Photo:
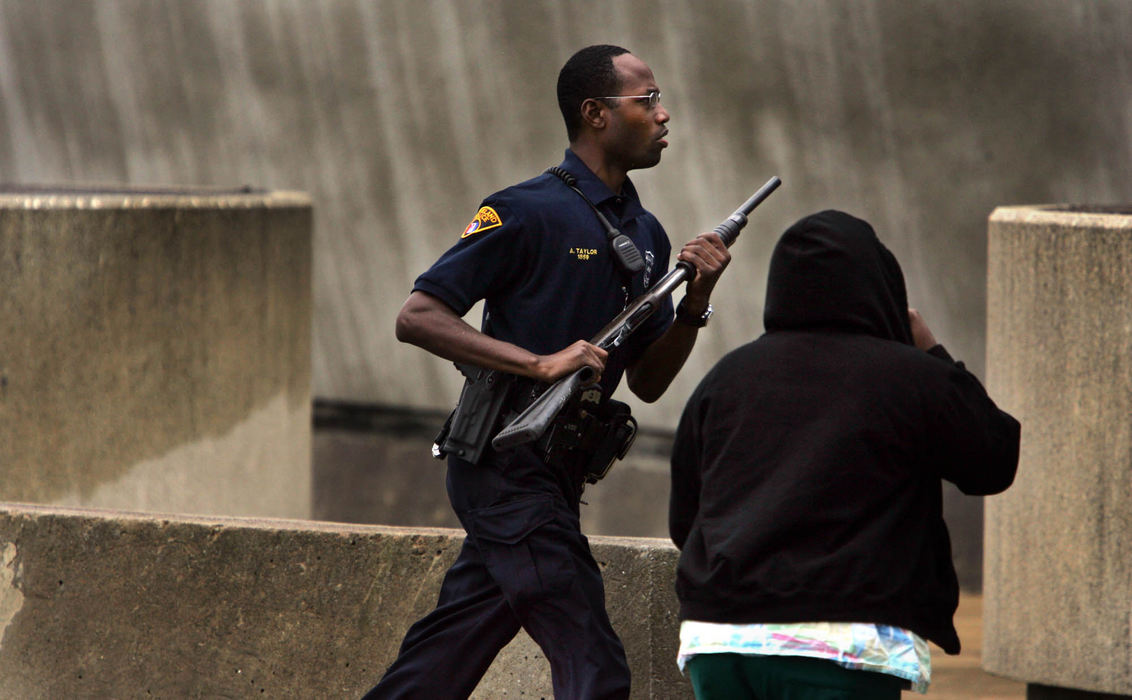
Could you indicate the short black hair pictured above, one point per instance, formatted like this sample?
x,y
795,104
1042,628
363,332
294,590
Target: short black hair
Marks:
x,y
588,73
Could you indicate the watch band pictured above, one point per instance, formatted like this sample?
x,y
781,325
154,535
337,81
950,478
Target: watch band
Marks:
x,y
691,319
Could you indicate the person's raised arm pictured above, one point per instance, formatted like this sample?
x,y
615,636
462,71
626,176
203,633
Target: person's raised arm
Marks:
x,y
429,323
978,443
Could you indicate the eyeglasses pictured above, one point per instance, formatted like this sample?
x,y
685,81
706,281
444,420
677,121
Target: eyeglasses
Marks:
x,y
653,98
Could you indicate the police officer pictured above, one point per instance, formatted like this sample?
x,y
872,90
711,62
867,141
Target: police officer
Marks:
x,y
539,257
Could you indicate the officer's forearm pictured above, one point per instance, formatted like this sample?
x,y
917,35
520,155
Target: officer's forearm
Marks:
x,y
650,376
429,323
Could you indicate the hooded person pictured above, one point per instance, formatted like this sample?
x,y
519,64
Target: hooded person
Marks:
x,y
807,478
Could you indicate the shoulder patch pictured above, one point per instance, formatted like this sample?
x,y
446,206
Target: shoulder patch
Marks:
x,y
486,218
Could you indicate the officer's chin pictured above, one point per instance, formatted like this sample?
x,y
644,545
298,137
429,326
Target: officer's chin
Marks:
x,y
649,161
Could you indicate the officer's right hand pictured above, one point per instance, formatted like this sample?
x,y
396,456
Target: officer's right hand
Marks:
x,y
551,368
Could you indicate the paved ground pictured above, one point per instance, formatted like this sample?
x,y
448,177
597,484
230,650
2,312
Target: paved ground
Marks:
x,y
961,677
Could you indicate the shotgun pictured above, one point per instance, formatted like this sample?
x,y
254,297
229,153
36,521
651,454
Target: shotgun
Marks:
x,y
533,422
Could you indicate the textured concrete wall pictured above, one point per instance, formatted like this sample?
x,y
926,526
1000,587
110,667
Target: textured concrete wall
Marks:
x,y
375,467
1058,569
96,605
399,116
155,350
378,476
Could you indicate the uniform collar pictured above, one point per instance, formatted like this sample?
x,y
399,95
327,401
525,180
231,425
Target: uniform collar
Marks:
x,y
597,191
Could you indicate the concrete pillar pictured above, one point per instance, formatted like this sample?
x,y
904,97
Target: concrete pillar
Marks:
x,y
1058,565
155,350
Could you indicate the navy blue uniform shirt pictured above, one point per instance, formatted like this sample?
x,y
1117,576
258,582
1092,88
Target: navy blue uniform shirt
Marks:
x,y
539,257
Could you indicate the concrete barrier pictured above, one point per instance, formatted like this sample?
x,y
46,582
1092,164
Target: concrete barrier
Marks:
x,y
97,604
1058,568
155,349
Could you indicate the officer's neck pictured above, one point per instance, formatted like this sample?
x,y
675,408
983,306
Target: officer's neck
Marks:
x,y
599,162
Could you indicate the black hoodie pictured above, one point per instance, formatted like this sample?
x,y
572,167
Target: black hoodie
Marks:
x,y
807,466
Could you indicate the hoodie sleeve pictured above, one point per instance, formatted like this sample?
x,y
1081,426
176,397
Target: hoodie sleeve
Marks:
x,y
684,498
976,444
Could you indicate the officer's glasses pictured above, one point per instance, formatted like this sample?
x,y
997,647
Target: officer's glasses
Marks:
x,y
651,100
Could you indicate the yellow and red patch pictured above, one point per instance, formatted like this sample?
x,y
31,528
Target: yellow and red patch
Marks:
x,y
486,218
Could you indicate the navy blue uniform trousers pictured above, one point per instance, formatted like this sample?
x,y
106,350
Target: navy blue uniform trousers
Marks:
x,y
524,563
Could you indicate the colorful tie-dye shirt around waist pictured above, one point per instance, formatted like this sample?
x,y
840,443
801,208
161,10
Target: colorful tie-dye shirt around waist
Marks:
x,y
854,645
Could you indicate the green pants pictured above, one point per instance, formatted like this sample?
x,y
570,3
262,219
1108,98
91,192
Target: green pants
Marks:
x,y
755,677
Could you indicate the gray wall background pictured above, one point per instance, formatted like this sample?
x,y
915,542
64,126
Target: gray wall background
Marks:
x,y
399,116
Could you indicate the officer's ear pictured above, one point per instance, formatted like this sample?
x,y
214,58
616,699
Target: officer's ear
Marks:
x,y
594,113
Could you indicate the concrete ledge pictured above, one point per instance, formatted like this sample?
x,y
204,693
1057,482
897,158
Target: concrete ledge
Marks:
x,y
114,604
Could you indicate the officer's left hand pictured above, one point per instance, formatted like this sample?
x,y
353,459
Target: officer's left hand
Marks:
x,y
707,253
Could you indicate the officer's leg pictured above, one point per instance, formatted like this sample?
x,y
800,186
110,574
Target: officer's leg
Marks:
x,y
588,659
446,653
534,549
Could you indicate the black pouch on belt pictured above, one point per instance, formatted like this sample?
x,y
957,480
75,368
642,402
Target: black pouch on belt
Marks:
x,y
589,435
619,431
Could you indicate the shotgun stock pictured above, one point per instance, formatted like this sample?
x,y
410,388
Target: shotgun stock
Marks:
x,y
533,422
